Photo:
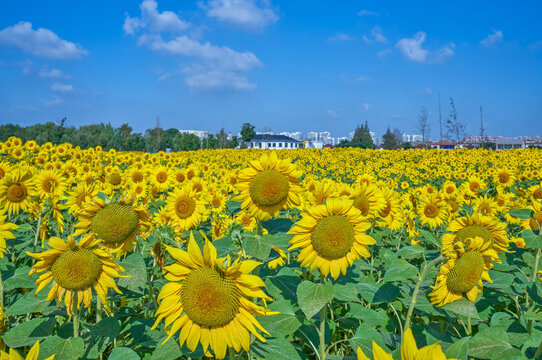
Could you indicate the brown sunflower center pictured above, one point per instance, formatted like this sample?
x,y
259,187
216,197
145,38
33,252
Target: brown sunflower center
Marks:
x,y
184,207
450,189
179,177
216,201
332,237
16,193
2,173
363,204
466,273
137,176
269,188
115,179
504,177
76,269
114,223
536,221
431,210
386,211
472,231
537,194
161,177
209,297
48,184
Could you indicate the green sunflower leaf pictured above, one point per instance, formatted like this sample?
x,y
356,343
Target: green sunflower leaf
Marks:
x,y
312,297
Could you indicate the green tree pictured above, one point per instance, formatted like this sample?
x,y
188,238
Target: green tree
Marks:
x,y
362,137
247,133
390,141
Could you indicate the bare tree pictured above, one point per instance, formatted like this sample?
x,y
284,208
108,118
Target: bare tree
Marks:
x,y
455,128
440,119
424,127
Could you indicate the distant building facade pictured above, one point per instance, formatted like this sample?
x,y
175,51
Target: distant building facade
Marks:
x,y
273,141
199,133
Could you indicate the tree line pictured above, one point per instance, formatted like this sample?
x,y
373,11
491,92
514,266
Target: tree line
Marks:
x,y
124,138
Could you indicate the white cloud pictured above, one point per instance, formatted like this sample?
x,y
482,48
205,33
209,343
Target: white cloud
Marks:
x,y
367,13
363,78
376,32
45,72
365,107
56,100
154,21
492,38
332,114
64,88
383,53
412,49
244,13
340,37
427,91
214,66
41,42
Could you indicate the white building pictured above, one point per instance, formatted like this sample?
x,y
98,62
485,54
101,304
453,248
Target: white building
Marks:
x,y
412,138
199,133
298,135
272,141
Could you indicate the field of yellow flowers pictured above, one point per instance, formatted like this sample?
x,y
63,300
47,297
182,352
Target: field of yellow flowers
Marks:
x,y
249,254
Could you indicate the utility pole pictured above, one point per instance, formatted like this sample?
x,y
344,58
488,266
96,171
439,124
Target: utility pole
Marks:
x,y
158,134
481,127
440,120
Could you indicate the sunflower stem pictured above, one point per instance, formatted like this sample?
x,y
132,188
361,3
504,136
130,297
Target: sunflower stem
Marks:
x,y
99,310
232,353
76,315
322,332
1,292
538,351
36,237
260,228
469,326
416,291
533,279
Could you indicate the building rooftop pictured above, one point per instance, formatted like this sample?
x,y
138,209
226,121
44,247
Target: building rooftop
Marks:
x,y
272,137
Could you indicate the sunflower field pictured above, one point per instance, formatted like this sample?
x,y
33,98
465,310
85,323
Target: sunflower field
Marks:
x,y
251,254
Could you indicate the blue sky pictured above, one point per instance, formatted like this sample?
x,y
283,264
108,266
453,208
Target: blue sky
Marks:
x,y
285,65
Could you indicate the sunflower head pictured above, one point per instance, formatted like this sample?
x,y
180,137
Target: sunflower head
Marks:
x,y
75,268
267,186
208,297
331,236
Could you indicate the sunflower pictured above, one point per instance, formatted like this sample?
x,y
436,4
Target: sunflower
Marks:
x,y
73,268
217,203
474,186
392,214
331,236
49,183
79,197
5,232
368,199
486,205
16,190
319,191
409,351
186,209
489,229
245,220
161,178
268,185
469,262
432,211
33,354
210,299
504,178
533,223
5,168
116,223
